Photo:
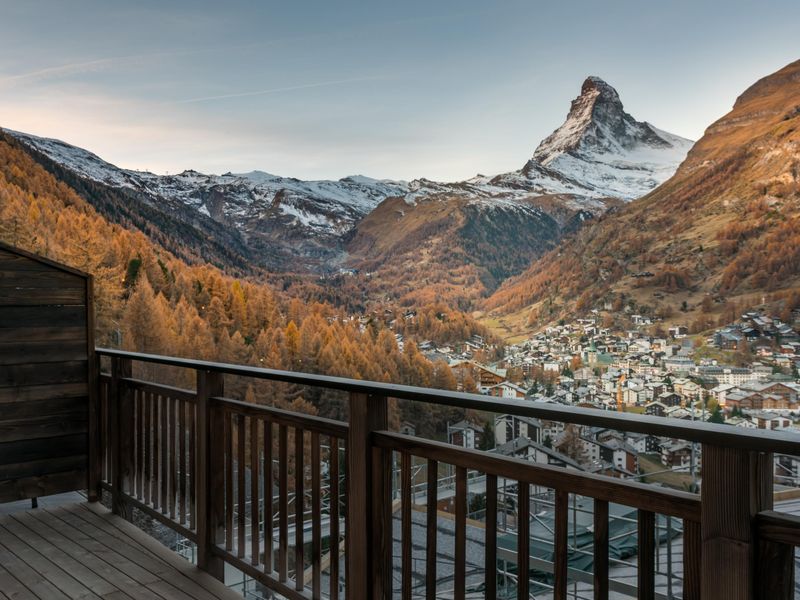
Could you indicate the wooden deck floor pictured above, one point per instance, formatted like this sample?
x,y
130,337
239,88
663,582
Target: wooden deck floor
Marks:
x,y
82,551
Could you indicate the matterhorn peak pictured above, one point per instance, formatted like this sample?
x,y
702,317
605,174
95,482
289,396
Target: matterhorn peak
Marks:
x,y
595,120
604,149
597,88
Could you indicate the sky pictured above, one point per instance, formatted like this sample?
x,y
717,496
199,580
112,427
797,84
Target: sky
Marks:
x,y
437,89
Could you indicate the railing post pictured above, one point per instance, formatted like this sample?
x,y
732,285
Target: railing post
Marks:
x,y
737,485
121,410
95,449
209,474
369,531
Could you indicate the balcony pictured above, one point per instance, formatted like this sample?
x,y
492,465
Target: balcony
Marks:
x,y
196,462
297,506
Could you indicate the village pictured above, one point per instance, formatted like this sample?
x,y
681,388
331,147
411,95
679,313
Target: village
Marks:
x,y
742,375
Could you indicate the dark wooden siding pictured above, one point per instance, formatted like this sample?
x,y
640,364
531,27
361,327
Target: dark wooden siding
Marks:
x,y
45,349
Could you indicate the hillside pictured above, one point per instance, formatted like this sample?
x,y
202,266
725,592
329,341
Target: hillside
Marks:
x,y
725,226
458,242
257,223
149,300
451,249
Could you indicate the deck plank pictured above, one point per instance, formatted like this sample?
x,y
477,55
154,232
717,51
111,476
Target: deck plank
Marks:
x,y
100,562
132,571
48,570
40,588
83,552
58,556
133,550
12,588
194,581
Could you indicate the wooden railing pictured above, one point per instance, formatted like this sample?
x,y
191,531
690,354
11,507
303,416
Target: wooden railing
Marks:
x,y
243,482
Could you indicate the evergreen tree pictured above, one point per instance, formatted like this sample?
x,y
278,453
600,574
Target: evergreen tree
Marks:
x,y
487,439
716,415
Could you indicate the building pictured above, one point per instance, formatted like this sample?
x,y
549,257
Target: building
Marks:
x,y
465,434
727,375
484,376
507,389
676,453
511,427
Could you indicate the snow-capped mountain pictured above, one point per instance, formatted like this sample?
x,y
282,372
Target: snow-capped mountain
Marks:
x,y
605,150
600,152
323,206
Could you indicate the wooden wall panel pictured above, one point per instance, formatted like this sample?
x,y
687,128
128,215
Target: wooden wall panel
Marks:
x,y
46,345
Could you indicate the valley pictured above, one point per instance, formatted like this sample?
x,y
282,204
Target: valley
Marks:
x,y
406,242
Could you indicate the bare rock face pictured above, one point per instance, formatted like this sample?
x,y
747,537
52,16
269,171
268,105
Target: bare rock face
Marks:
x,y
604,151
287,224
597,123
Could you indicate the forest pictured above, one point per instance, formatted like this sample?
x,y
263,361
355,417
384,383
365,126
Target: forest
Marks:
x,y
149,300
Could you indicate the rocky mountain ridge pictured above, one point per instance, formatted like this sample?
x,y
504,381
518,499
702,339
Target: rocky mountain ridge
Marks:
x,y
723,230
286,224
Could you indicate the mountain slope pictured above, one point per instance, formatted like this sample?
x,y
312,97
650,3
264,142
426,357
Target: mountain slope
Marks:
x,y
150,301
605,149
459,241
725,225
188,235
599,151
446,248
255,220
277,223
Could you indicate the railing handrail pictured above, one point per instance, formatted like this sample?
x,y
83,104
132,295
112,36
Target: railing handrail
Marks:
x,y
758,440
665,501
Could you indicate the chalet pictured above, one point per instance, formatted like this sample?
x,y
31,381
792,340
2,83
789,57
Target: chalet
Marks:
x,y
678,331
678,412
537,453
677,454
522,447
669,399
637,441
688,389
484,376
741,422
728,339
465,434
510,427
656,409
623,456
654,389
771,421
747,399
720,392
507,389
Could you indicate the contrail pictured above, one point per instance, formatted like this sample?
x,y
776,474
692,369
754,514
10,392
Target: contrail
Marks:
x,y
108,62
276,90
60,70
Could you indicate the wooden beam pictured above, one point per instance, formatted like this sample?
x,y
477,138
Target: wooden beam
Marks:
x,y
121,436
737,485
209,475
368,502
